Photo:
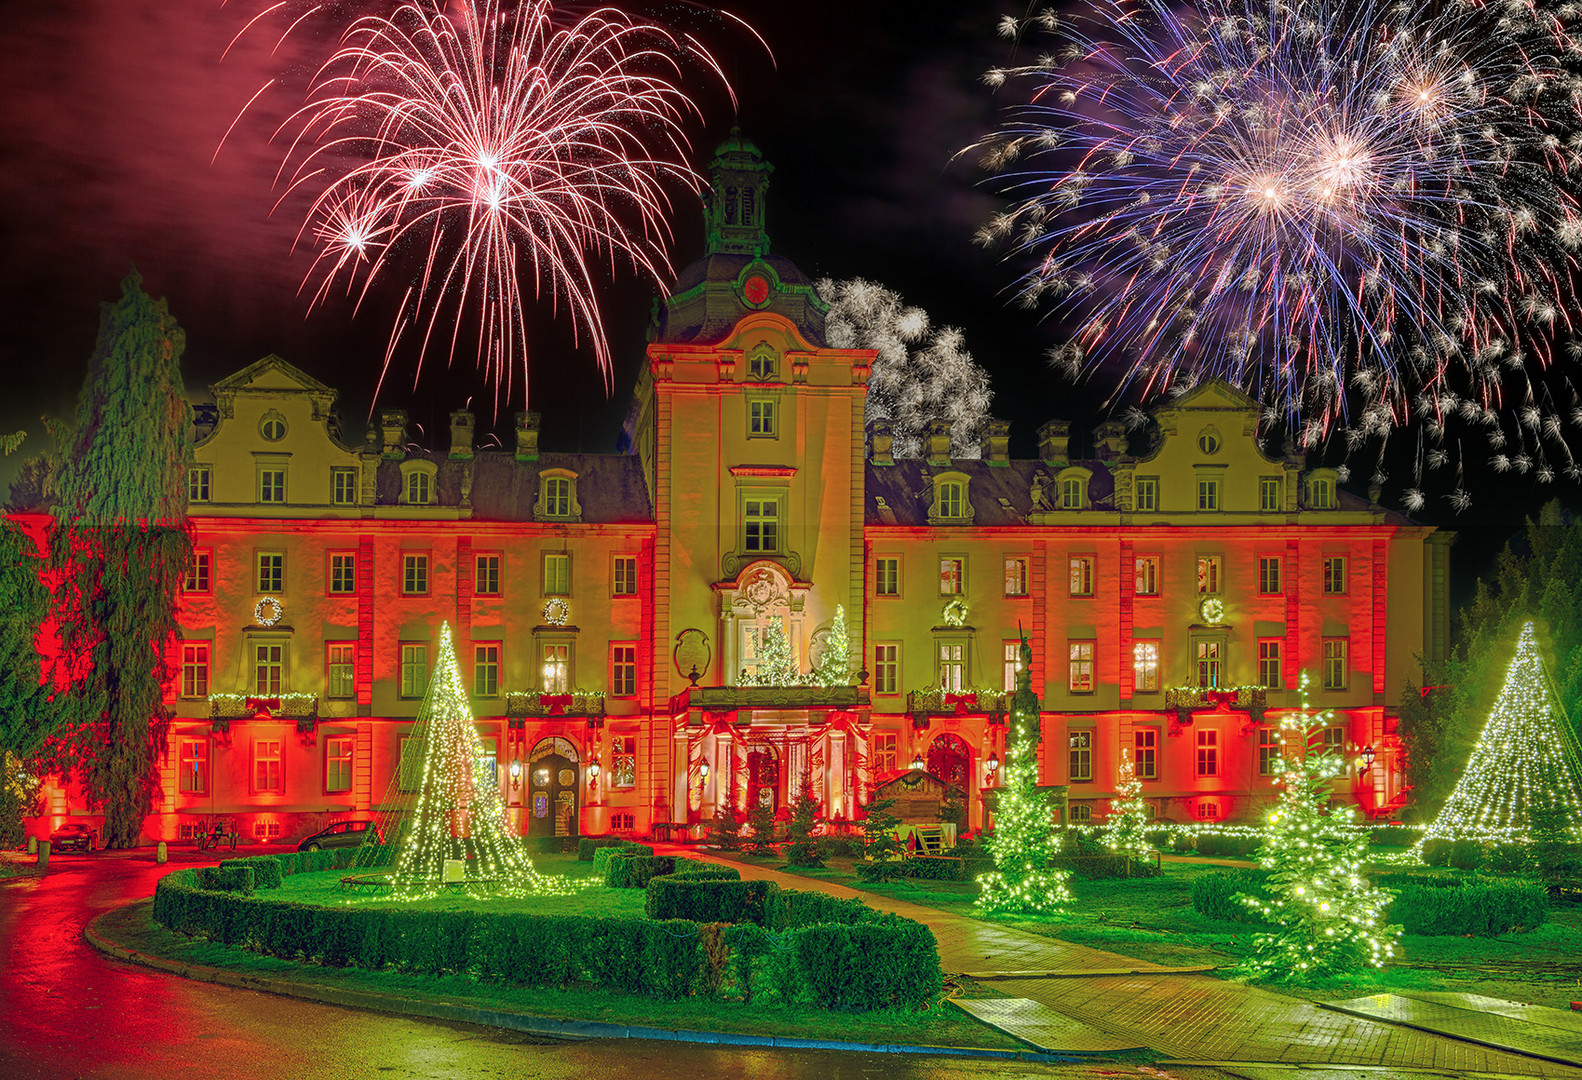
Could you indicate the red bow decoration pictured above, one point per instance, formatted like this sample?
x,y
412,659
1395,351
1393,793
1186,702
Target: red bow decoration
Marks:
x,y
256,704
554,704
961,702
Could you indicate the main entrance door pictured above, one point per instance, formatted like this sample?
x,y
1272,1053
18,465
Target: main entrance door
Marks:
x,y
553,788
950,760
763,777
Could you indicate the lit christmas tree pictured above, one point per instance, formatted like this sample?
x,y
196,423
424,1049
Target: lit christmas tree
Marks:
x,y
834,663
775,664
1525,763
1126,832
447,805
1329,919
1023,840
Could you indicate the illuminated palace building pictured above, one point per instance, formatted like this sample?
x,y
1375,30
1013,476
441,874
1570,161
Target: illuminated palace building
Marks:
x,y
611,611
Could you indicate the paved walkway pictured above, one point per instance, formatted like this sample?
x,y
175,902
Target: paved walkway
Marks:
x,y
1187,1016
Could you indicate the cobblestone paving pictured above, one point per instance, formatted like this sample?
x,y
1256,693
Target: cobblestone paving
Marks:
x,y
1510,1025
1188,1016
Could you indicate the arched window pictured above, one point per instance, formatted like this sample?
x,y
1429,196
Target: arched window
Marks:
x,y
557,496
950,760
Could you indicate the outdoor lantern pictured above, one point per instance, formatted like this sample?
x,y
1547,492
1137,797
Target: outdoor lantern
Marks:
x,y
917,760
1368,755
703,770
994,764
516,775
593,768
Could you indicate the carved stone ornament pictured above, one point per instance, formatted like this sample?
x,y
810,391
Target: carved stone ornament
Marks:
x,y
692,652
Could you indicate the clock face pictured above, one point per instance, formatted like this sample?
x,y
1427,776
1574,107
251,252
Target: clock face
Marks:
x,y
1212,610
756,290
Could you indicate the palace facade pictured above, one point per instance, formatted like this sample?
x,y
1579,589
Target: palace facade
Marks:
x,y
609,611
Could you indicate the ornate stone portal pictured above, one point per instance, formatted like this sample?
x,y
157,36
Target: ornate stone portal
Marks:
x,y
763,591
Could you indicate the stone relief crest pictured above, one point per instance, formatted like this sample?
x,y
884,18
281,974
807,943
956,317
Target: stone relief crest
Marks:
x,y
692,652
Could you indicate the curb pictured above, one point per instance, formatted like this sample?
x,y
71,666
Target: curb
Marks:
x,y
436,1009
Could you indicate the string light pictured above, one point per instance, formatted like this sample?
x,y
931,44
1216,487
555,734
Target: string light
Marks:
x,y
1126,832
1525,760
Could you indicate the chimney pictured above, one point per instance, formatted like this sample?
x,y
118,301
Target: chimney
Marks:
x,y
527,436
881,443
1054,440
997,442
936,442
1111,439
461,435
393,423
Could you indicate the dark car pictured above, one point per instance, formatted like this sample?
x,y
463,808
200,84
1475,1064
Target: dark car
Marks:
x,y
74,836
343,834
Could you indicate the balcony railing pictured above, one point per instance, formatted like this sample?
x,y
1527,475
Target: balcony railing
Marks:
x,y
1240,698
531,704
936,701
736,698
224,708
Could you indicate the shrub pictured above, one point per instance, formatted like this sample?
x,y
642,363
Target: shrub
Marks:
x,y
1214,895
1467,854
881,869
267,871
934,867
789,909
890,964
1220,846
587,845
634,871
833,846
1181,843
1436,852
702,900
725,830
1103,865
1447,906
1509,858
696,870
1393,836
237,876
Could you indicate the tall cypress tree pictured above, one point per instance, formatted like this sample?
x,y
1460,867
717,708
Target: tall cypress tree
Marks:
x,y
121,544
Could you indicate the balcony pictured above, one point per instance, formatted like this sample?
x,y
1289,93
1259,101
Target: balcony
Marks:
x,y
532,705
936,701
1185,700
224,708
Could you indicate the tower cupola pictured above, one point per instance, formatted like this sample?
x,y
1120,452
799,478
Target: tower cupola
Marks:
x,y
735,208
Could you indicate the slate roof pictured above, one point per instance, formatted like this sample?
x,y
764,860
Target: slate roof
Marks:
x,y
610,487
907,490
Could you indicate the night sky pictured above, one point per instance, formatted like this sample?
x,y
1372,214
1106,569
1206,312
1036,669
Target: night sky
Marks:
x,y
111,111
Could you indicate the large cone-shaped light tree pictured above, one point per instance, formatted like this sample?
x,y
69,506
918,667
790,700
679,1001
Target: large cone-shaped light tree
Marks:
x,y
1525,762
120,543
444,803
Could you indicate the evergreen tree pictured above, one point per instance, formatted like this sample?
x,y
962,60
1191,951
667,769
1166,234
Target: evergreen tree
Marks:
x,y
725,830
803,849
775,664
880,847
1023,840
27,711
761,820
834,663
1126,831
120,542
1329,919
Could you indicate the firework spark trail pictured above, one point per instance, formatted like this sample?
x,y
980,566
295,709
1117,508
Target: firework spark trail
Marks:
x,y
491,152
1360,213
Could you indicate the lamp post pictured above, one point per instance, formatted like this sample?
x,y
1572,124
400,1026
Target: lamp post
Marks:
x,y
593,774
516,774
993,766
917,760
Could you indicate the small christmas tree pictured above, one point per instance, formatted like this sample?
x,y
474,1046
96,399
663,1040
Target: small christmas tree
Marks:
x,y
1524,766
1126,832
834,663
1329,919
775,664
725,830
1023,840
803,850
879,844
761,819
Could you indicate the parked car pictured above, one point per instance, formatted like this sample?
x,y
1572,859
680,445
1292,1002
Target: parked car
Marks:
x,y
342,834
74,836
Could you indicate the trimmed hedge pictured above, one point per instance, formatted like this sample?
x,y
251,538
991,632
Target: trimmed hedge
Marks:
x,y
625,871
697,870
790,909
603,855
708,901
934,868
1102,866
227,878
587,845
1214,895
267,871
1451,906
875,965
1217,846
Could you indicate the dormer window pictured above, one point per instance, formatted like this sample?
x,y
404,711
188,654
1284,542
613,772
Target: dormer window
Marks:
x,y
951,505
418,482
1208,441
1321,491
762,364
950,500
1072,485
272,427
557,496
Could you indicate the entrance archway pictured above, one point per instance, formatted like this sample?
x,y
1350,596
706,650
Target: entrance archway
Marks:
x,y
950,759
763,777
553,789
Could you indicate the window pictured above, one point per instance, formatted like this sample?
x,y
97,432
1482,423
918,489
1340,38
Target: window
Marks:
x,y
271,572
761,419
1081,746
1208,664
266,766
271,484
557,574
1208,574
198,484
414,670
1016,577
341,664
1073,492
1208,441
1271,493
194,767
951,573
1145,667
623,578
761,364
195,669
419,488
952,666
623,761
760,524
486,575
486,669
269,669
557,669
883,753
1207,752
886,669
1147,575
623,670
343,487
1207,810
887,576
950,500
1080,654
1081,813
1270,674
1268,574
1323,494
197,580
1268,751
1146,762
1335,575
1208,493
338,764
1079,576
1335,740
557,497
1335,663
1013,665
343,573
414,575
273,426
1147,500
